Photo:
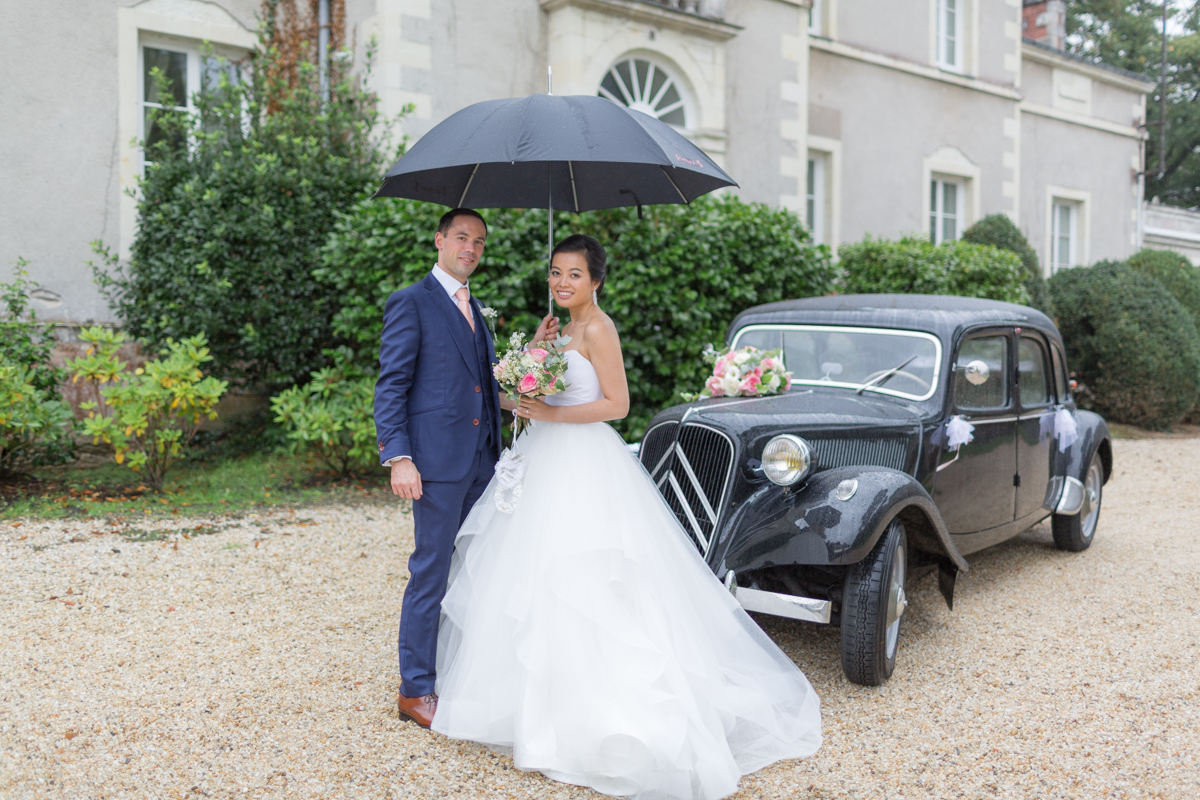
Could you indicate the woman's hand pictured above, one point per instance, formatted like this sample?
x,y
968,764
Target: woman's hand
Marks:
x,y
535,408
548,330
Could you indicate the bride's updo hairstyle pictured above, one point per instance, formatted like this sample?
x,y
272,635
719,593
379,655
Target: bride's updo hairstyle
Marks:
x,y
593,253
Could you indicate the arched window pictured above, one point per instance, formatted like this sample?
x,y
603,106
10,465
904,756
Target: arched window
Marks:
x,y
643,86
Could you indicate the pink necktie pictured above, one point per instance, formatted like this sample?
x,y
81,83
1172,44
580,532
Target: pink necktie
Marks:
x,y
464,305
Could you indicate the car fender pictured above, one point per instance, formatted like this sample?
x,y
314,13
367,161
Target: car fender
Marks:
x,y
809,525
1093,437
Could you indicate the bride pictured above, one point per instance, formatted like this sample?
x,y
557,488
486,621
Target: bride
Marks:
x,y
583,632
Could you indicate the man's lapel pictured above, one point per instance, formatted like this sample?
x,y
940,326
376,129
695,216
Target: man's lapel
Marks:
x,y
460,331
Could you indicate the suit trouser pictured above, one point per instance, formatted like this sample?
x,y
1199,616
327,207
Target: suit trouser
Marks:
x,y
437,516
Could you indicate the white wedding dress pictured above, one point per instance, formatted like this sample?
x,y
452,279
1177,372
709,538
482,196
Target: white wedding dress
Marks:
x,y
584,633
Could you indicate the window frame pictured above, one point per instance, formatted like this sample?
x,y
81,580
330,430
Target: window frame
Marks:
x,y
816,195
937,212
674,78
1072,207
1005,334
1047,372
941,10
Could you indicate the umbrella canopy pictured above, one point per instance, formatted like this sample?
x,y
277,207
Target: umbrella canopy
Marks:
x,y
570,153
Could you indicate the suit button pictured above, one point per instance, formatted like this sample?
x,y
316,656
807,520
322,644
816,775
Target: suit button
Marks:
x,y
474,422
478,389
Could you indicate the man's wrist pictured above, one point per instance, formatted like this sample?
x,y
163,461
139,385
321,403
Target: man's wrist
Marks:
x,y
396,460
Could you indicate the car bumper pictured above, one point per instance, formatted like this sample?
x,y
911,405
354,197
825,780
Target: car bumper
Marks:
x,y
806,609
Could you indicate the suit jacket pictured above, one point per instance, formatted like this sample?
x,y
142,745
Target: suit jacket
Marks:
x,y
433,383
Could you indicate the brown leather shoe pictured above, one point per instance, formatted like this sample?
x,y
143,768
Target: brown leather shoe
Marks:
x,y
419,709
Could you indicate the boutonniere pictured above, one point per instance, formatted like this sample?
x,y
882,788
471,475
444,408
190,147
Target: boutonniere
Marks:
x,y
490,315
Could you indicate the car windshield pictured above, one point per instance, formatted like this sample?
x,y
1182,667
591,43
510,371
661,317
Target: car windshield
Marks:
x,y
850,357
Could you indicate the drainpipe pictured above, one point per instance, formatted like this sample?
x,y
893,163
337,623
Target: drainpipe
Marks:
x,y
323,48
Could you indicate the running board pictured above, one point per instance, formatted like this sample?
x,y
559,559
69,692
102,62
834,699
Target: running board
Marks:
x,y
806,609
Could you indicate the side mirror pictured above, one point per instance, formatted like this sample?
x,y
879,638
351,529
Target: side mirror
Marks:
x,y
977,373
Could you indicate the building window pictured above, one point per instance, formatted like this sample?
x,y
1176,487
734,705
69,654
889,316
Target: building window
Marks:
x,y
189,72
814,198
946,203
814,18
646,87
1064,238
949,34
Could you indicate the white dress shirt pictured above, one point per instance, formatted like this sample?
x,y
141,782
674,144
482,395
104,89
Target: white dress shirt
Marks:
x,y
451,284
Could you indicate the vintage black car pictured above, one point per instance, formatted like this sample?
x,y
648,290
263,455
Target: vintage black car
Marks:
x,y
816,504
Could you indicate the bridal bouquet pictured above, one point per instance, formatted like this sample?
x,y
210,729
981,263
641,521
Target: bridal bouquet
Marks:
x,y
529,370
748,372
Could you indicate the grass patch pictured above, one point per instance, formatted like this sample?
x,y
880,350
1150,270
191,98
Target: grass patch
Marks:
x,y
197,487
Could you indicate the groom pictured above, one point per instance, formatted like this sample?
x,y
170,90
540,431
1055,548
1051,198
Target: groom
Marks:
x,y
437,412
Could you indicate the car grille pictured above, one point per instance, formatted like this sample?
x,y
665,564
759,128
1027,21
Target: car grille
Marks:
x,y
692,473
834,453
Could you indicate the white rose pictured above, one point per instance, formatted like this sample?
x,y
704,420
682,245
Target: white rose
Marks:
x,y
729,385
741,358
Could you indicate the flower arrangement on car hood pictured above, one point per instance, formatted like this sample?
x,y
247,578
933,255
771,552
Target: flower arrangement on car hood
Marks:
x,y
748,372
531,370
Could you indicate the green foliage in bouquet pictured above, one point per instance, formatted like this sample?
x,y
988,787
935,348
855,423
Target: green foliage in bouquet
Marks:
x,y
332,416
1130,342
150,414
237,200
676,278
1000,231
36,425
914,265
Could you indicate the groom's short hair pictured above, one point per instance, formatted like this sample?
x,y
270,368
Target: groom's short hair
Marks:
x,y
448,219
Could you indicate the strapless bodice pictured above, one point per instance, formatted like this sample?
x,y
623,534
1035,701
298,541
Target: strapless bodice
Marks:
x,y
583,385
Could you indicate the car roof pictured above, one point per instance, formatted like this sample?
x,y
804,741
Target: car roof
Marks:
x,y
944,316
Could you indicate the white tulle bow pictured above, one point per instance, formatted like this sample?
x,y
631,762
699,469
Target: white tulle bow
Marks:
x,y
510,472
1065,428
958,432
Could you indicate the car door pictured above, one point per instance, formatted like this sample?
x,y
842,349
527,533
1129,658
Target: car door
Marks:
x,y
974,488
1035,441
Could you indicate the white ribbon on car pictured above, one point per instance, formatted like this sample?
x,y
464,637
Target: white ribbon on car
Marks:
x,y
958,432
510,472
1065,428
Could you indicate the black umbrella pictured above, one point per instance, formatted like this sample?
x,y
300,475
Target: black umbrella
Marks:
x,y
571,153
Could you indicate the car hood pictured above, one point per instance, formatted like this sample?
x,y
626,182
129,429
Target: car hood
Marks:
x,y
808,409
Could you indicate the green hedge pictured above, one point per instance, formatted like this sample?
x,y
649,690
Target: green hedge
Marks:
x,y
1000,231
914,265
1135,348
1176,273
676,278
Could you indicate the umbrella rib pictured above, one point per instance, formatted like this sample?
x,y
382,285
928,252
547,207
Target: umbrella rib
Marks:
x,y
574,191
467,188
682,197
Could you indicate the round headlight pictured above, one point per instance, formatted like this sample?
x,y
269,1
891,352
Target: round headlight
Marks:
x,y
786,459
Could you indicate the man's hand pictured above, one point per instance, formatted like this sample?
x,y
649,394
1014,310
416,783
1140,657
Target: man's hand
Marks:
x,y
548,330
406,481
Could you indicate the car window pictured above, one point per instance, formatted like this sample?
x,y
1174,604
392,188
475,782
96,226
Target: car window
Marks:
x,y
828,355
1062,388
1033,381
981,373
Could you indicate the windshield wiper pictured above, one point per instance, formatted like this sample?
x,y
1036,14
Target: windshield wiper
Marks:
x,y
880,380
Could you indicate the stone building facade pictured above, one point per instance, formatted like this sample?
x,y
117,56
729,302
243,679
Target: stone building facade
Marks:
x,y
878,117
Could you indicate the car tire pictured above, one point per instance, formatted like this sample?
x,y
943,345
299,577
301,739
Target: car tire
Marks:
x,y
1076,531
873,603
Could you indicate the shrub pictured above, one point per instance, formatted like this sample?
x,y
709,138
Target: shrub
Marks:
x,y
333,417
677,278
149,416
1134,346
36,425
1000,231
230,225
1176,273
914,265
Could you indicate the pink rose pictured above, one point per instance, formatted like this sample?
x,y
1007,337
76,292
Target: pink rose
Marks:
x,y
768,363
714,386
719,368
750,385
787,382
528,383
757,373
538,354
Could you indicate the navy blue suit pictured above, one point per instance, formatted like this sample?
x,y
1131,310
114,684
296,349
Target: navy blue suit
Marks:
x,y
436,402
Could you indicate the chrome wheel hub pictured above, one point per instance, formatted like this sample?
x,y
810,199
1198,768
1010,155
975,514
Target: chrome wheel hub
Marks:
x,y
897,600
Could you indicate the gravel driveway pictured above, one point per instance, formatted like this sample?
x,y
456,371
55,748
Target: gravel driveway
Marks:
x,y
257,659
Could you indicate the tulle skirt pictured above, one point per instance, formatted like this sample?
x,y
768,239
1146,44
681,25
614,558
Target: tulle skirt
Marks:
x,y
584,634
